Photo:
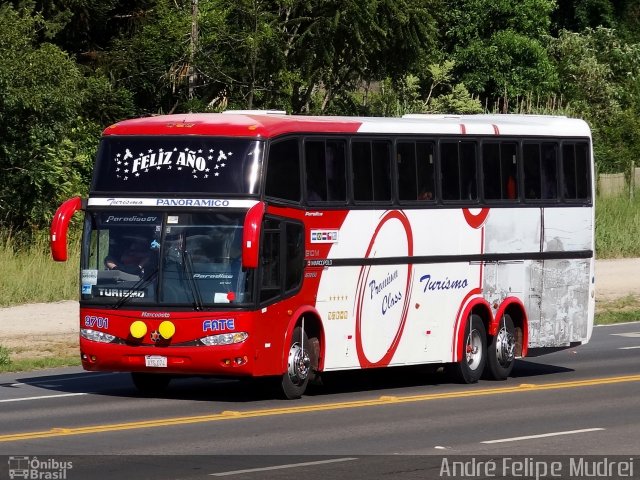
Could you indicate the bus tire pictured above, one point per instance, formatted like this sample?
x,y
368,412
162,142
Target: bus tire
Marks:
x,y
300,362
474,352
501,350
150,383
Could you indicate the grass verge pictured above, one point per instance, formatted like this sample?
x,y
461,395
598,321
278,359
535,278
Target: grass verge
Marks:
x,y
39,352
30,275
28,364
621,310
618,226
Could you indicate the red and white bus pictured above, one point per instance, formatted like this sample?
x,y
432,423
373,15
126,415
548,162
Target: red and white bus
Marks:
x,y
260,244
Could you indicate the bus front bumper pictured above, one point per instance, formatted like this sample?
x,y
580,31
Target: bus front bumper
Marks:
x,y
228,360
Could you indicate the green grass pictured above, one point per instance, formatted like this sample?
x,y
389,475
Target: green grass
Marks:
x,y
618,227
625,309
28,364
29,274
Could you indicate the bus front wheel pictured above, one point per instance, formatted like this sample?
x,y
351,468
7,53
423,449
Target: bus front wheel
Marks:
x,y
501,351
474,352
150,383
300,362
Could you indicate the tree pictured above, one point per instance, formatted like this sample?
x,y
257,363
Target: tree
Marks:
x,y
600,80
44,157
498,47
333,47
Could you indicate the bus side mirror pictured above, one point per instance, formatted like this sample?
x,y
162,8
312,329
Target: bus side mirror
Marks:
x,y
60,228
251,235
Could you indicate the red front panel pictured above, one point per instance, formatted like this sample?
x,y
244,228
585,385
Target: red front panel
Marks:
x,y
260,354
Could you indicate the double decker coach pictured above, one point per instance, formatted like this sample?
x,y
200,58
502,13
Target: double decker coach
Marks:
x,y
260,244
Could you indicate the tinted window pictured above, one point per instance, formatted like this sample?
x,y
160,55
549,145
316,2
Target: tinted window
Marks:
x,y
294,255
282,258
415,170
178,163
371,170
540,170
283,171
270,285
500,171
575,171
326,173
458,171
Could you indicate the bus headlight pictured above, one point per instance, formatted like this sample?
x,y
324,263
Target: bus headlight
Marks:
x,y
225,339
96,336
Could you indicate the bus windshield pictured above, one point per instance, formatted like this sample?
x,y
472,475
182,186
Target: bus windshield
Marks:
x,y
151,258
195,164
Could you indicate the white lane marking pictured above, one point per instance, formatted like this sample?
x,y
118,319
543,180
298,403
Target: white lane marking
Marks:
x,y
543,435
280,467
66,379
628,348
42,397
616,324
628,334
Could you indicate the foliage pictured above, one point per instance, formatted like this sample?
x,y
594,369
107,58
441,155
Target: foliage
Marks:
x,y
68,69
48,137
498,46
602,83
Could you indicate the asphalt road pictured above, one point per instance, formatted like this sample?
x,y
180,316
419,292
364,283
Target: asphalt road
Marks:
x,y
399,423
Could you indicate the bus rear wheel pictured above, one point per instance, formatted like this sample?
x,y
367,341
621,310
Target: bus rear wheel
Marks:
x,y
150,383
501,352
474,352
300,364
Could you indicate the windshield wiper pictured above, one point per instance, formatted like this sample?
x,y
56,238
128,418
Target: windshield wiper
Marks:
x,y
195,291
139,285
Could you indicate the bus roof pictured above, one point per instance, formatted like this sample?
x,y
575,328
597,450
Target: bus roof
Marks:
x,y
267,124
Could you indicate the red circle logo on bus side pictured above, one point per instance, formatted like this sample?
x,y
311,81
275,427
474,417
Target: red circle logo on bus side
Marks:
x,y
383,292
475,220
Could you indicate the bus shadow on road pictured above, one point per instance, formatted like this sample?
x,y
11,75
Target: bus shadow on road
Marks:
x,y
252,390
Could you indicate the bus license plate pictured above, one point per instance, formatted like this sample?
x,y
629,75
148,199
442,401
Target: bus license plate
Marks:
x,y
155,361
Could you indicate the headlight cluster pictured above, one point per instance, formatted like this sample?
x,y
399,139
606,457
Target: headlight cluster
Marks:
x,y
225,339
96,336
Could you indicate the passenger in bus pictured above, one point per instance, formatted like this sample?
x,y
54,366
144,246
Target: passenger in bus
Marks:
x,y
425,194
512,188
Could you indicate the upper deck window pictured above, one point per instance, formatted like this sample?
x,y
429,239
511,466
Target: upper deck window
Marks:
x,y
178,164
283,171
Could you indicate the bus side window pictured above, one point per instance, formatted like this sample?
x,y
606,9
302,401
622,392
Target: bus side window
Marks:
x,y
283,171
426,177
540,170
361,170
270,284
532,171
549,171
575,171
371,168
381,171
294,255
458,169
325,165
414,161
500,170
407,171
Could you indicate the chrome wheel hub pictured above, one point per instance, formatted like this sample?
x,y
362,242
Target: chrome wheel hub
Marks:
x,y
505,347
473,349
298,364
